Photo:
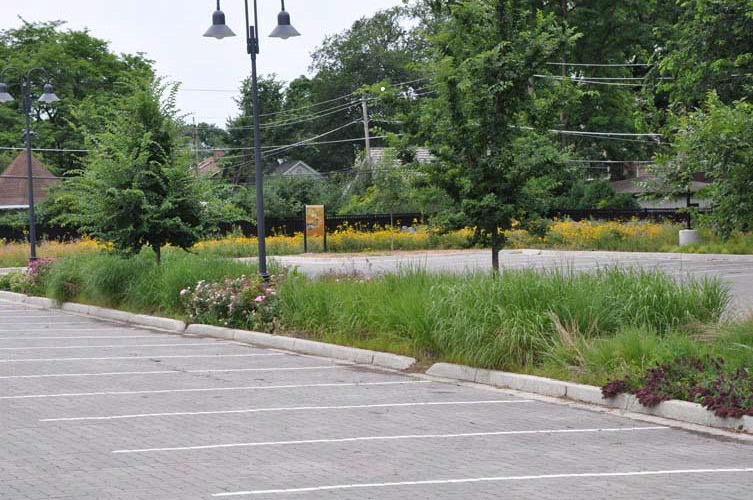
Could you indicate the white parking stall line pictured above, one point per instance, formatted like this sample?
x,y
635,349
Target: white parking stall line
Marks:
x,y
47,323
288,409
25,312
170,372
36,348
594,475
390,438
155,356
81,337
101,328
211,389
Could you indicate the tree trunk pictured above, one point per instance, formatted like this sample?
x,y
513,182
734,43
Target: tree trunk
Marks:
x,y
496,246
158,253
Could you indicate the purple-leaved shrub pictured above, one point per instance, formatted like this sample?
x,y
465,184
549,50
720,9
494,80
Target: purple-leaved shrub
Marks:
x,y
729,394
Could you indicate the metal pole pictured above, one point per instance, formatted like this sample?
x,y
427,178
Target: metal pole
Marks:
x,y
25,84
324,223
252,42
367,139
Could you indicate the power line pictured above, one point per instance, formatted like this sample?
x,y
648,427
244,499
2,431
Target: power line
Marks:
x,y
48,150
599,65
594,134
317,143
305,141
608,134
643,162
600,78
310,118
224,91
591,81
308,106
295,121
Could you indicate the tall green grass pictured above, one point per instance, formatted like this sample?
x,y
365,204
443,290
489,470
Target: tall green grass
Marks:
x,y
590,327
137,283
508,321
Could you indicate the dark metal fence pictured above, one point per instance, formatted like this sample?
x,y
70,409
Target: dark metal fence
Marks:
x,y
365,222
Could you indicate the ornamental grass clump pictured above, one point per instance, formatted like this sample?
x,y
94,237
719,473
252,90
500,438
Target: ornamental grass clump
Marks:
x,y
507,321
235,302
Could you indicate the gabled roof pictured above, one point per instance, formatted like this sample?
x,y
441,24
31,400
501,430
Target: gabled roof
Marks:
x,y
14,182
295,168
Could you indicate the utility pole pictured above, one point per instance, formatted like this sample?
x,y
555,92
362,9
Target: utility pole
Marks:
x,y
196,145
367,139
563,116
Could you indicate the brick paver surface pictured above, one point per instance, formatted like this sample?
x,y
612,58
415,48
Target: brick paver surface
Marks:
x,y
93,410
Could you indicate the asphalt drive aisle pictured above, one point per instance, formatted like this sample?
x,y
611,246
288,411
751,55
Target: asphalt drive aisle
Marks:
x,y
95,410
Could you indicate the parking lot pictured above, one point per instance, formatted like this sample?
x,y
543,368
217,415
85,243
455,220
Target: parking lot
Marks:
x,y
95,410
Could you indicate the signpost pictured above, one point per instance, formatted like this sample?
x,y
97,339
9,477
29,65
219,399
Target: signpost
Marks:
x,y
315,226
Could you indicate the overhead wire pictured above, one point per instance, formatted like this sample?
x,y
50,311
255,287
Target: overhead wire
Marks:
x,y
297,120
602,65
308,106
316,143
303,142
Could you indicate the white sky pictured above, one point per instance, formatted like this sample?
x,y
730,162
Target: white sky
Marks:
x,y
170,32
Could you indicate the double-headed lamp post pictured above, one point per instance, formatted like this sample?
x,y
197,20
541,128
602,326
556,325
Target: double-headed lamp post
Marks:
x,y
48,97
283,30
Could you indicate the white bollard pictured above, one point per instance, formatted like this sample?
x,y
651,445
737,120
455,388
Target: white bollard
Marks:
x,y
689,237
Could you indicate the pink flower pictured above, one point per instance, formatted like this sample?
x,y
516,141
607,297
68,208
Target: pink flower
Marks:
x,y
260,298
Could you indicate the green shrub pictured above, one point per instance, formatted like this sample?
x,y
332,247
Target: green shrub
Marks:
x,y
136,283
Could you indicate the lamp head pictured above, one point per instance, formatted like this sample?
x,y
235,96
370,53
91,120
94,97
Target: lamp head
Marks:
x,y
284,30
48,97
219,29
4,95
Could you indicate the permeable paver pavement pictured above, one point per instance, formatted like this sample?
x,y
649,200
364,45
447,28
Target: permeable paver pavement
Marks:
x,y
93,410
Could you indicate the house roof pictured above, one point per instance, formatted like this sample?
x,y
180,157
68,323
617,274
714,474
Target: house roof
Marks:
x,y
295,168
210,166
422,155
635,185
14,182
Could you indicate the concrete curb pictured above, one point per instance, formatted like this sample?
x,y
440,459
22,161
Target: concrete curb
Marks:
x,y
12,297
11,270
170,325
303,346
683,411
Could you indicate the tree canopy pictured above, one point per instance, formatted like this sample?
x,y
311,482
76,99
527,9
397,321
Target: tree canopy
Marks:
x,y
80,66
136,189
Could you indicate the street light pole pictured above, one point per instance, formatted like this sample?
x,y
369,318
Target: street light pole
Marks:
x,y
283,30
48,97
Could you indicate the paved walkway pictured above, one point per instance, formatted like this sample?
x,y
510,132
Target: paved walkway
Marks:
x,y
735,270
94,410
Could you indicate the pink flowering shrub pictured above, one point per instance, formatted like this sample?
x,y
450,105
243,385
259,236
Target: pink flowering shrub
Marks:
x,y
33,281
239,303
